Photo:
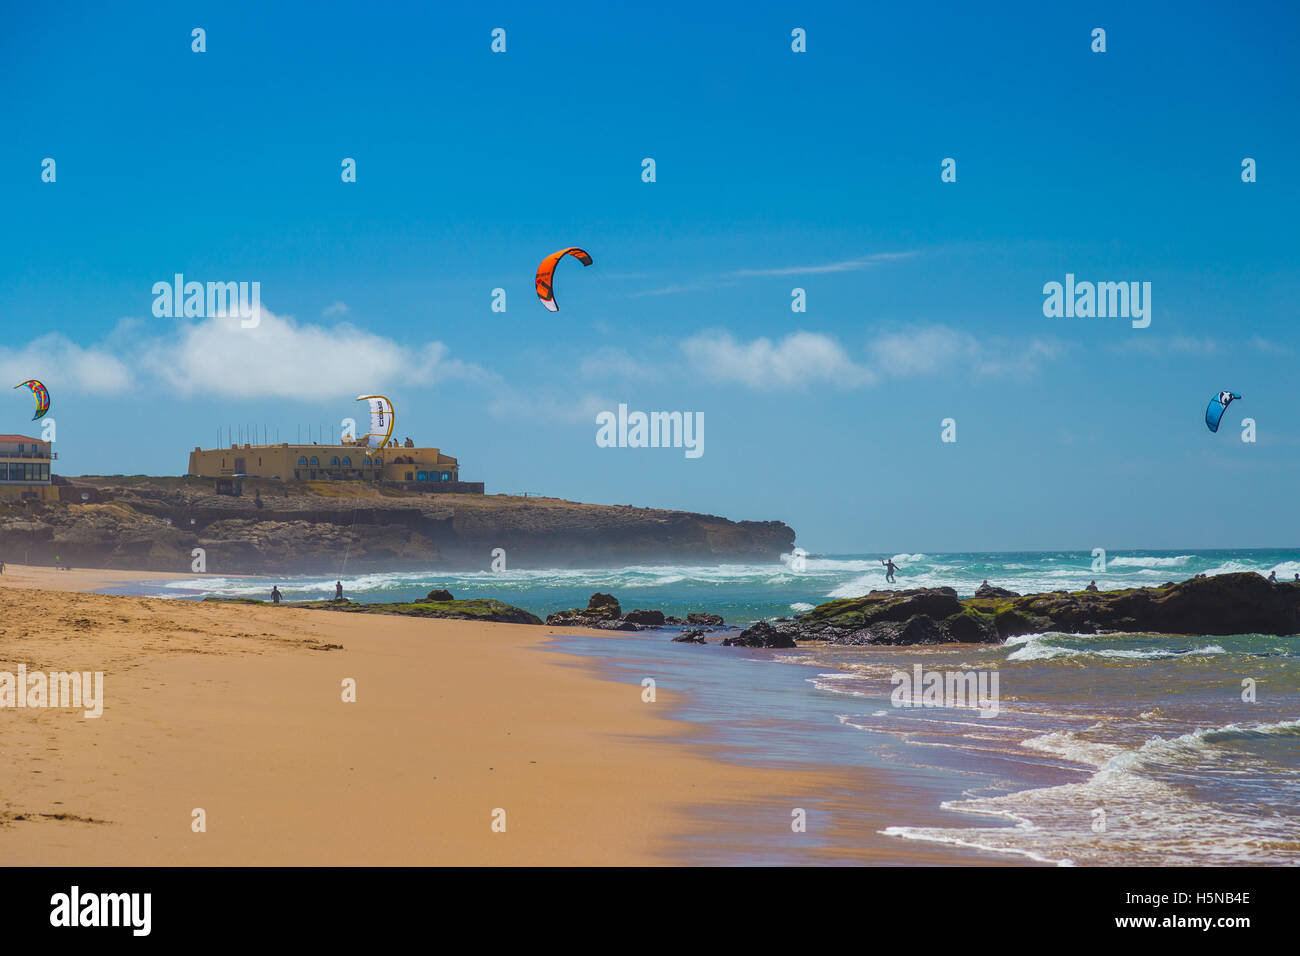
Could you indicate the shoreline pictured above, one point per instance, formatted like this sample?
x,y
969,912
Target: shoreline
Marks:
x,y
81,580
236,710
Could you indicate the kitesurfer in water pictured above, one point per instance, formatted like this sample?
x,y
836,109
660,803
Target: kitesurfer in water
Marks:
x,y
890,568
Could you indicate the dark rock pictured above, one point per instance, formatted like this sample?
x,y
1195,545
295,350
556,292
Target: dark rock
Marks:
x,y
439,594
702,617
918,629
694,636
971,627
599,601
650,618
673,620
992,591
600,607
1011,623
616,625
761,634
1242,603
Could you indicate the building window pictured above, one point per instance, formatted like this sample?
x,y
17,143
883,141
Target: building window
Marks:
x,y
410,476
347,462
302,462
315,462
446,476
421,476
334,462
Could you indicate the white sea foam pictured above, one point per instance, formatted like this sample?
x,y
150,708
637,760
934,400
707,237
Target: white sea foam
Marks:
x,y
1144,561
1146,820
1038,650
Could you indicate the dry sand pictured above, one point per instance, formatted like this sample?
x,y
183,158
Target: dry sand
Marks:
x,y
238,710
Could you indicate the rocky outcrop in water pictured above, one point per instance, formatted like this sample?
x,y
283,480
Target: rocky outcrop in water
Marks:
x,y
600,609
762,634
474,609
605,613
1242,603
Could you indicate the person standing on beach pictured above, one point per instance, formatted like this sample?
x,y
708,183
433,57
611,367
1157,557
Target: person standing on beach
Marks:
x,y
275,594
890,568
338,590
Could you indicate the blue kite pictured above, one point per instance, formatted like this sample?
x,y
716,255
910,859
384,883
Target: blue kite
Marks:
x,y
1218,405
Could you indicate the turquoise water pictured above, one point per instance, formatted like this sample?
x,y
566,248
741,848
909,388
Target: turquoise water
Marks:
x,y
1104,750
744,593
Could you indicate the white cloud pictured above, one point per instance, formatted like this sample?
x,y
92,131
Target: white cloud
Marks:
x,y
728,278
281,358
335,308
1012,360
609,362
62,364
843,265
805,358
1157,345
933,349
548,406
1261,344
277,358
798,360
923,351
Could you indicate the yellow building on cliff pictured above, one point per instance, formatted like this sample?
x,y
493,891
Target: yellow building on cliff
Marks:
x,y
25,468
426,468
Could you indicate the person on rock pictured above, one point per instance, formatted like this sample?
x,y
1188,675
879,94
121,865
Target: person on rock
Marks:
x,y
338,590
1272,577
890,568
1092,586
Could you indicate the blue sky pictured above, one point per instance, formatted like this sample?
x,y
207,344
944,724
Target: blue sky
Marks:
x,y
775,170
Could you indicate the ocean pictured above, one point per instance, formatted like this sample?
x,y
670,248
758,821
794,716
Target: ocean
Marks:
x,y
1105,749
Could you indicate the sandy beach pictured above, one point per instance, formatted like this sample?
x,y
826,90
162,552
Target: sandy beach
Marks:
x,y
238,711
79,579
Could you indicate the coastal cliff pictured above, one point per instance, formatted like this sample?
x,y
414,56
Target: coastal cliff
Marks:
x,y
1240,603
153,524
